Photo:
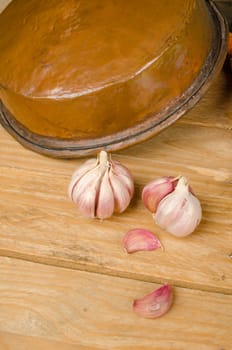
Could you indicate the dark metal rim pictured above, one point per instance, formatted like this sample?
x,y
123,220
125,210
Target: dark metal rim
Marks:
x,y
71,148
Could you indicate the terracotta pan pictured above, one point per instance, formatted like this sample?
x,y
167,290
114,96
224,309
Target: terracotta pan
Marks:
x,y
148,127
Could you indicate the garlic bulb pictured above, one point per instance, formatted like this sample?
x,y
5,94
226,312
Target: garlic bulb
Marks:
x,y
154,304
180,211
100,187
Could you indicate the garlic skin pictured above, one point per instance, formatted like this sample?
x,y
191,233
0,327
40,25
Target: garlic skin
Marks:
x,y
179,212
101,187
156,190
140,239
154,304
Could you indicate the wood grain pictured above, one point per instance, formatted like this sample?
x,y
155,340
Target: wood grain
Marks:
x,y
3,4
39,223
53,306
11,341
87,307
49,307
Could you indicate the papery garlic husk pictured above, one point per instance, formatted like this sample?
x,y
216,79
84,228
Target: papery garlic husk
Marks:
x,y
140,239
154,304
179,212
156,190
101,187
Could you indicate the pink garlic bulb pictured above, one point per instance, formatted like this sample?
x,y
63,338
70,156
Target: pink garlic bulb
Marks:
x,y
174,206
101,187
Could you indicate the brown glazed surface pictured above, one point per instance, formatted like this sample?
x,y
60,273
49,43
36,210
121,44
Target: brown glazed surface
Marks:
x,y
91,68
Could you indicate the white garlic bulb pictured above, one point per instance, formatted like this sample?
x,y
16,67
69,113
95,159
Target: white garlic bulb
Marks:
x,y
101,187
180,211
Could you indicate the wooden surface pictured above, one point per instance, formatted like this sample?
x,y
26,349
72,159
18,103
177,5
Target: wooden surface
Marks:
x,y
57,308
66,282
83,299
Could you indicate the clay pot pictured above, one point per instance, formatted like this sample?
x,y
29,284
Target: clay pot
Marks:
x,y
76,77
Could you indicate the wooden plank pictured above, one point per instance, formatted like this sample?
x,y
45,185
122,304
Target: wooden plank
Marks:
x,y
3,4
91,310
39,223
11,341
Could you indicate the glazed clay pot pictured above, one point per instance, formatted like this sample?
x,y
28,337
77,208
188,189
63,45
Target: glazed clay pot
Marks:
x,y
79,76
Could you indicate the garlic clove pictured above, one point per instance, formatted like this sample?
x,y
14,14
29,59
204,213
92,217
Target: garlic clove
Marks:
x,y
154,304
156,190
86,194
140,239
84,168
180,212
86,203
120,169
123,175
121,193
81,171
127,182
86,182
105,200
189,219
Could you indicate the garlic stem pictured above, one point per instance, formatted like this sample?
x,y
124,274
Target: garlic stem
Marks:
x,y
182,185
103,159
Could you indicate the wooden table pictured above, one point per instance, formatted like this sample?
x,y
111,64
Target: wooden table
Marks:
x,y
66,282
